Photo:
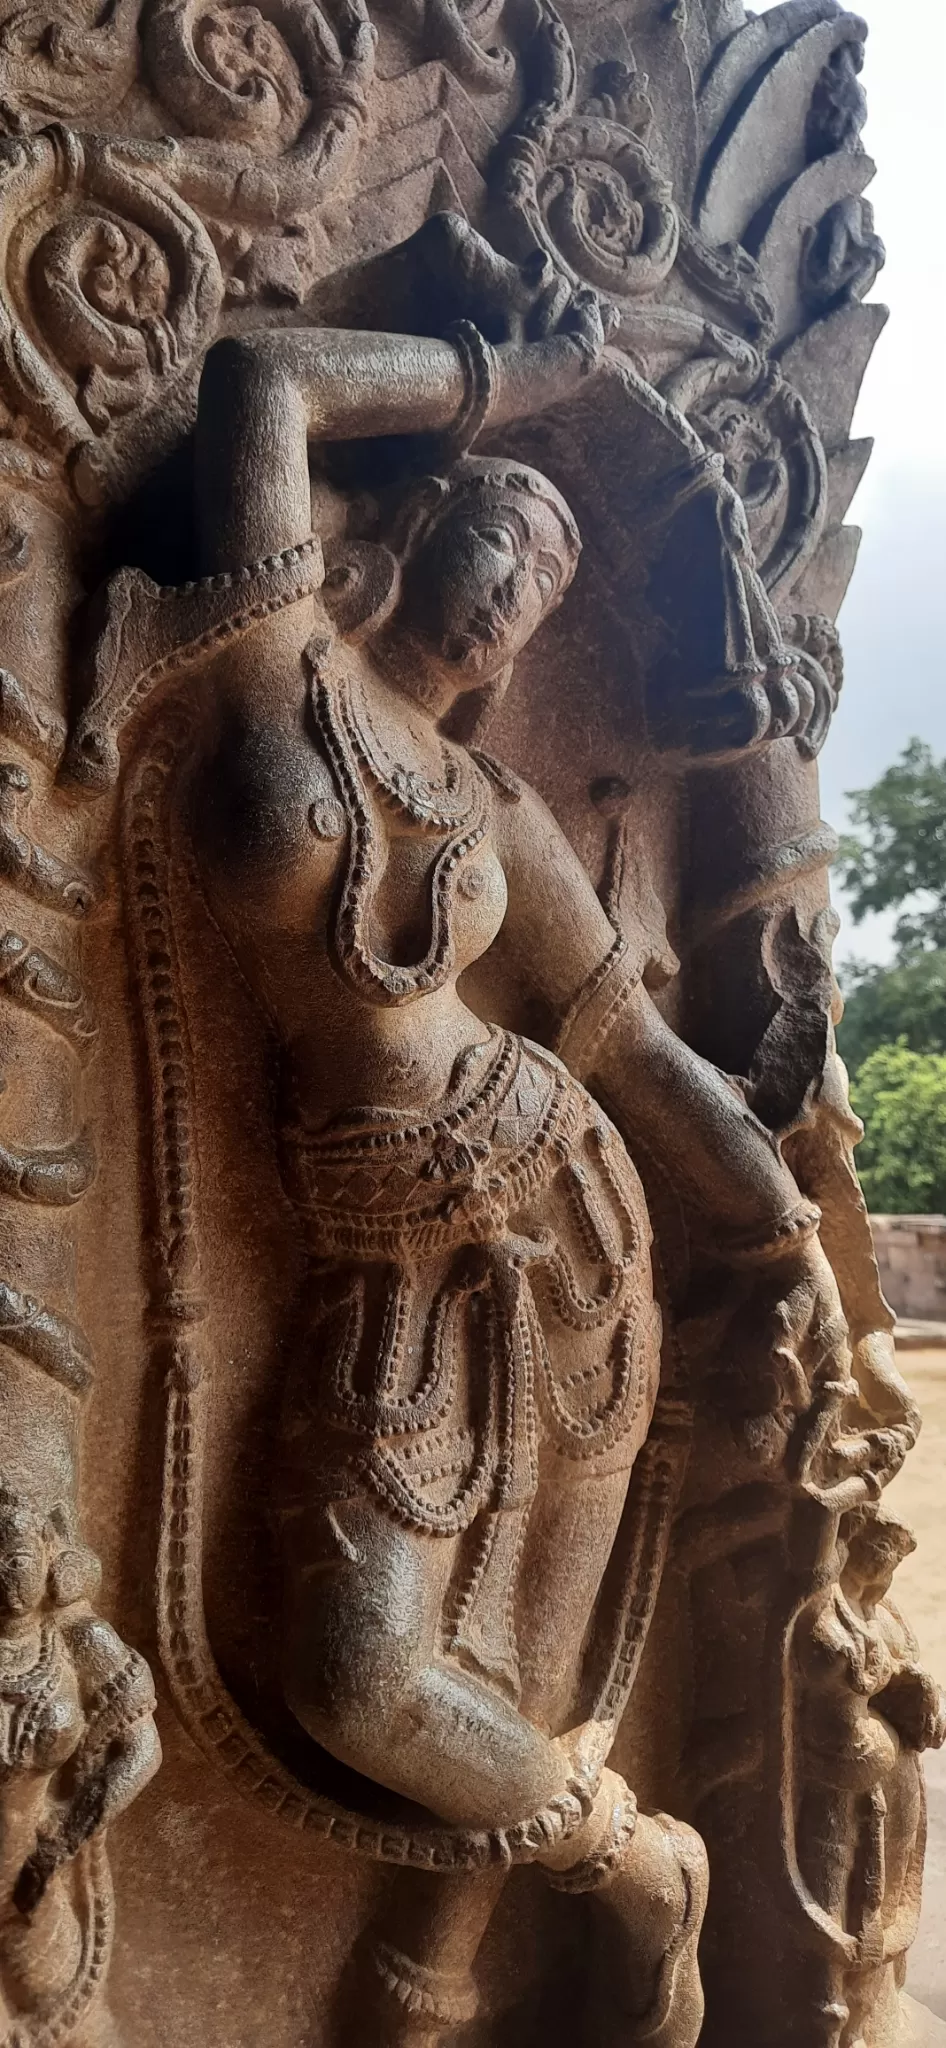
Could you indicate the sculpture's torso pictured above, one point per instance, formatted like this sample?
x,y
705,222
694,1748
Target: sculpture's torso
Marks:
x,y
273,827
480,1345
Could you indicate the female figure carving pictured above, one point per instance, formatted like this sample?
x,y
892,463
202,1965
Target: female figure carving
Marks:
x,y
870,1711
480,1361
77,1745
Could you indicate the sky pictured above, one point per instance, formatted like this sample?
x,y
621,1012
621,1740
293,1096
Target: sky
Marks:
x,y
892,622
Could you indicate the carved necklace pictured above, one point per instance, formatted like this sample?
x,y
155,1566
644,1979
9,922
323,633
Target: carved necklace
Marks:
x,y
458,804
25,1694
446,804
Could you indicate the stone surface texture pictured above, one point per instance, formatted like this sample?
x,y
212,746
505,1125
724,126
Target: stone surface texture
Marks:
x,y
445,1386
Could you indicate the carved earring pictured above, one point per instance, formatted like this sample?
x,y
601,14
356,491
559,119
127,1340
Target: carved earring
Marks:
x,y
74,1575
361,588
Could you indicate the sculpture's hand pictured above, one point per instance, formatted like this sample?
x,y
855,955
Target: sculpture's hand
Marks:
x,y
70,1824
535,374
509,302
915,1706
588,323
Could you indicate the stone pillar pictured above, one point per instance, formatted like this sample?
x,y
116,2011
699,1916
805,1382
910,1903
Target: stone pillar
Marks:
x,y
433,1276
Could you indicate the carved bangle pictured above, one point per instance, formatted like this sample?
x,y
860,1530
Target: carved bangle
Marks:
x,y
796,1228
593,1013
597,1869
481,381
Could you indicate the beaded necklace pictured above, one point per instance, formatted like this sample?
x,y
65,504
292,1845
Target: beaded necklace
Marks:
x,y
458,804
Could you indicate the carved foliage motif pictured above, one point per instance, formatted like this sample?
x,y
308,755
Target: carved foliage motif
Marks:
x,y
77,1740
110,291
583,186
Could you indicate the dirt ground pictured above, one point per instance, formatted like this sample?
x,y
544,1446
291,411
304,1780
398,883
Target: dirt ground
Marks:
x,y
919,1496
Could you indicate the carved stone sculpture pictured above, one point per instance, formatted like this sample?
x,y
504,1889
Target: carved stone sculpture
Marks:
x,y
426,1173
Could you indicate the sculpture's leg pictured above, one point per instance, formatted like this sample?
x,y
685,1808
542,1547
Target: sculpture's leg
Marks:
x,y
366,1676
646,1899
411,1983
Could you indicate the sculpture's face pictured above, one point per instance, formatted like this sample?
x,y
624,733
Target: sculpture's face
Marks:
x,y
23,1563
482,581
874,1553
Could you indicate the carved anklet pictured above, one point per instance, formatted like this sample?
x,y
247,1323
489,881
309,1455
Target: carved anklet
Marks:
x,y
794,1229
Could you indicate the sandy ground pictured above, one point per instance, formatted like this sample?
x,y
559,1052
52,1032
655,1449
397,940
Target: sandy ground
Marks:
x,y
918,1494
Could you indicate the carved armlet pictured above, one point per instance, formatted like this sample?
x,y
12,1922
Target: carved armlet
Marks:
x,y
153,633
596,1009
789,1233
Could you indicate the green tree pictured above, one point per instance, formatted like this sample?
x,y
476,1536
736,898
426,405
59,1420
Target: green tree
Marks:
x,y
901,1096
884,1004
895,859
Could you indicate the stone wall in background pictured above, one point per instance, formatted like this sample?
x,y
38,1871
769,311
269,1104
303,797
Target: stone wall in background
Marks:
x,y
911,1259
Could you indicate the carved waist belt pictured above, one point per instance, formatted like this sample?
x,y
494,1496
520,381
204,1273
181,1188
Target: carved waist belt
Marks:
x,y
481,1281
379,1185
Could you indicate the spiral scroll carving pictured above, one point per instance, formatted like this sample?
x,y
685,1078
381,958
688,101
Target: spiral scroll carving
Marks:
x,y
111,289
746,412
605,209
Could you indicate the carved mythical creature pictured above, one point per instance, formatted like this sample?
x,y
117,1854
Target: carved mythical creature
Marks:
x,y
77,1744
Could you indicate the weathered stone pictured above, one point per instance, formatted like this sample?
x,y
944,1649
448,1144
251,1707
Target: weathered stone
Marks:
x,y
433,1275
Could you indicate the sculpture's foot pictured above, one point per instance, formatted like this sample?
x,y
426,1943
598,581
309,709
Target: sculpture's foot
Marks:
x,y
646,1877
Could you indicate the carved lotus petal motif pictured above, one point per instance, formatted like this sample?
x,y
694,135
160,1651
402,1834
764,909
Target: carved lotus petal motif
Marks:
x,y
109,293
602,206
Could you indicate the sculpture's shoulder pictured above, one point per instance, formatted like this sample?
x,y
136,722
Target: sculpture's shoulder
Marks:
x,y
105,1666
502,779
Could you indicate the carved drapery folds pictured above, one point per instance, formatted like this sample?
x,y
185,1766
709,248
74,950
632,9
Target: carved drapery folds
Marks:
x,y
524,1383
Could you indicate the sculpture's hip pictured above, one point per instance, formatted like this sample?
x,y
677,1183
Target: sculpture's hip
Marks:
x,y
481,1295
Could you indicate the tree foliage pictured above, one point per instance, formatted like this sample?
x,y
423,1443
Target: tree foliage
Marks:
x,y
901,1096
884,1004
895,858
893,1032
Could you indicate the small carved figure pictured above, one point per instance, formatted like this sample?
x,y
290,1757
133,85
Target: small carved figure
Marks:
x,y
870,1709
77,1744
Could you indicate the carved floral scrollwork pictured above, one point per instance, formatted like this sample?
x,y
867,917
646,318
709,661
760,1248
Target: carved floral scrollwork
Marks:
x,y
57,61
743,409
602,207
461,32
110,291
272,101
820,668
278,83
583,187
255,75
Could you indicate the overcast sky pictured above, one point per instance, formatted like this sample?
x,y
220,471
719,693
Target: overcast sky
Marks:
x,y
892,621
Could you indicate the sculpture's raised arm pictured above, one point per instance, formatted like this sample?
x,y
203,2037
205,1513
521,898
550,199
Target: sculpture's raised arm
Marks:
x,y
265,397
